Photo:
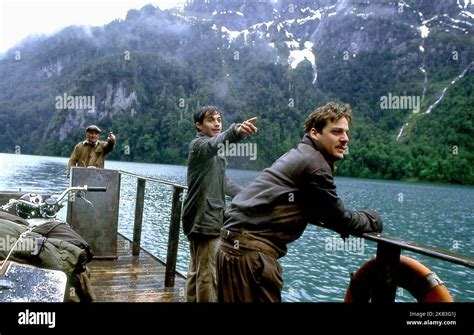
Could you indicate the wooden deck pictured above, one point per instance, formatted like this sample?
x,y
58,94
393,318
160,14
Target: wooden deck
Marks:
x,y
133,278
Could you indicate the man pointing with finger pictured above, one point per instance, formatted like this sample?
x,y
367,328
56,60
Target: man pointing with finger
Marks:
x,y
91,152
204,205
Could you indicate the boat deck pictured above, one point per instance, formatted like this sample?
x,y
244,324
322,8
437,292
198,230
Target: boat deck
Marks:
x,y
133,278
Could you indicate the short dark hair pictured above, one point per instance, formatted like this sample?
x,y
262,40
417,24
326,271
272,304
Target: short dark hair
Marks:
x,y
320,116
201,113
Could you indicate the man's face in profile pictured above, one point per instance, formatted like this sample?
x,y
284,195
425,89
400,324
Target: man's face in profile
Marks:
x,y
333,138
92,136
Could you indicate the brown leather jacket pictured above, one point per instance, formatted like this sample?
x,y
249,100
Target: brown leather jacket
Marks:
x,y
85,154
296,190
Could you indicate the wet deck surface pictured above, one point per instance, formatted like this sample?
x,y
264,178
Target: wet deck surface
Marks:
x,y
133,278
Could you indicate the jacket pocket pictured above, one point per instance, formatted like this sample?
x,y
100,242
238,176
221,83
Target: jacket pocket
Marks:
x,y
214,213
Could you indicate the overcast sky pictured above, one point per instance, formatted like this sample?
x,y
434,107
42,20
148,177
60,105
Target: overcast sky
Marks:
x,y
21,18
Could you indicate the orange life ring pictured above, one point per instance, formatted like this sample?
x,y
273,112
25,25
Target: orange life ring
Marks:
x,y
411,275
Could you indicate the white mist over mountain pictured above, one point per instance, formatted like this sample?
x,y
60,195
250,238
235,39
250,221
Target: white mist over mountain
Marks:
x,y
19,19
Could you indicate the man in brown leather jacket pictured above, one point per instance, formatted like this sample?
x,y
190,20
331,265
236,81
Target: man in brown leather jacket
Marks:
x,y
276,207
91,152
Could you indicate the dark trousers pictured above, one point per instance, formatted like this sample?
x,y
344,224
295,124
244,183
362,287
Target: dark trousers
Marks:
x,y
247,270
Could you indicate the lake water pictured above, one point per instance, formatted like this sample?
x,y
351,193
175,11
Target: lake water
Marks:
x,y
315,269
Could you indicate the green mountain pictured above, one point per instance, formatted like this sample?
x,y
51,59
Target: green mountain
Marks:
x,y
405,68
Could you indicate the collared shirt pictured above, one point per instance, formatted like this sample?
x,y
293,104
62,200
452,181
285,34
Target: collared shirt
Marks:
x,y
90,143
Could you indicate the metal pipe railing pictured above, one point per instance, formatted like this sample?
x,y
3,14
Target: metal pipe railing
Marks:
x,y
175,220
155,180
419,248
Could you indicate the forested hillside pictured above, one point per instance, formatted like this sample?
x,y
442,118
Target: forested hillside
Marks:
x,y
276,60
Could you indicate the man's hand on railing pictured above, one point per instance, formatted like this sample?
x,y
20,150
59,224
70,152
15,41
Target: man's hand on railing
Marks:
x,y
375,220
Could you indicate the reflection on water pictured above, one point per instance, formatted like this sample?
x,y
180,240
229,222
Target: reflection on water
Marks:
x,y
437,215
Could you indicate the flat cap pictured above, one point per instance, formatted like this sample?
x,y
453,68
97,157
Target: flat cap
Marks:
x,y
93,127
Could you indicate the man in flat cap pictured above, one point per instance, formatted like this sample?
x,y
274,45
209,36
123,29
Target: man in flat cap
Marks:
x,y
91,152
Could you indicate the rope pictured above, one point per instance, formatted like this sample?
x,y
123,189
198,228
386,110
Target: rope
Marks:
x,y
22,235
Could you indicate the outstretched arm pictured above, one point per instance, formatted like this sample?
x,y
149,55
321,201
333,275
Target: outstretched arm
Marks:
x,y
210,145
334,214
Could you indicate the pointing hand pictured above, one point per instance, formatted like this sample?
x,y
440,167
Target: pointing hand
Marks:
x,y
247,127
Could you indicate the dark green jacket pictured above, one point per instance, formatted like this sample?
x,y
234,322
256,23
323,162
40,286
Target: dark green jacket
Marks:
x,y
207,183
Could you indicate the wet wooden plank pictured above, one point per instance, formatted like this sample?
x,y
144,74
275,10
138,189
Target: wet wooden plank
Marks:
x,y
133,278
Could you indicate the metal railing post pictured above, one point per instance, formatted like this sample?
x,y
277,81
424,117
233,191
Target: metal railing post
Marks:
x,y
173,238
388,260
137,227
